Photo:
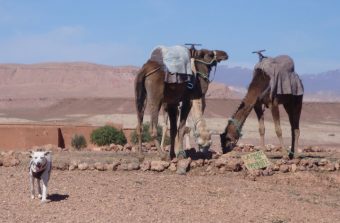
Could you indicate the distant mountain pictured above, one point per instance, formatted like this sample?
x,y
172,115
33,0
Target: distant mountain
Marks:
x,y
323,82
318,87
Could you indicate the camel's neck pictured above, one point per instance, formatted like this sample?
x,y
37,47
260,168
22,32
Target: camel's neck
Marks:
x,y
197,110
258,85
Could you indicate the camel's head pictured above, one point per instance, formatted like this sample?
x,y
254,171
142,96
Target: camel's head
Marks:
x,y
203,139
210,57
230,136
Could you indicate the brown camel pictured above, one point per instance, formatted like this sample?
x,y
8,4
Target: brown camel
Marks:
x,y
274,82
150,86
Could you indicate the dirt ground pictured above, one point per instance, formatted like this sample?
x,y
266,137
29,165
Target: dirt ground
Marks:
x,y
137,196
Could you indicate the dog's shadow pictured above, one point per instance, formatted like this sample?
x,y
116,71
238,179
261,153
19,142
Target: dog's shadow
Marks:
x,y
57,197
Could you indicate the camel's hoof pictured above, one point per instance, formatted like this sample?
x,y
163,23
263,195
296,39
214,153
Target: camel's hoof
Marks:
x,y
164,156
181,155
291,155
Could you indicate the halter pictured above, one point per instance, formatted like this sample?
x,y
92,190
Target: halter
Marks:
x,y
203,75
238,126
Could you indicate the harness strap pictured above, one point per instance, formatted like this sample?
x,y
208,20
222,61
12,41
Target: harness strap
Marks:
x,y
151,72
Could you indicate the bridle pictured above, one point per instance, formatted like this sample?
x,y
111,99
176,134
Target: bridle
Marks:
x,y
205,76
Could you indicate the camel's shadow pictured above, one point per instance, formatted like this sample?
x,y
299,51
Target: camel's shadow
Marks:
x,y
57,197
194,155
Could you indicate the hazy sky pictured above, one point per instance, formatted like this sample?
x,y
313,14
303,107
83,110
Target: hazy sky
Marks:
x,y
124,32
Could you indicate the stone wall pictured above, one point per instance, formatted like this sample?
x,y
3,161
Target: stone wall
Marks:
x,y
26,136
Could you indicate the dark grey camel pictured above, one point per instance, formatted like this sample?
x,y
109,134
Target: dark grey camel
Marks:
x,y
150,87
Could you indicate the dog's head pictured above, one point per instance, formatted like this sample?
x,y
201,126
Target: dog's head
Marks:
x,y
39,160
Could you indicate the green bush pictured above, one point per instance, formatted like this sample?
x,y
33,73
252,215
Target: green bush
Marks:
x,y
107,135
78,142
146,136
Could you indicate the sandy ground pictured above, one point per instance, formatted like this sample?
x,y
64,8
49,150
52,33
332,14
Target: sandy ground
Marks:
x,y
120,196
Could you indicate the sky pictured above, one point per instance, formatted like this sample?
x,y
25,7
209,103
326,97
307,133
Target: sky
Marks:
x,y
125,32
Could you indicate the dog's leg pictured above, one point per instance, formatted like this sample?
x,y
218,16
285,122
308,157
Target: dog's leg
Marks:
x,y
39,188
44,194
32,186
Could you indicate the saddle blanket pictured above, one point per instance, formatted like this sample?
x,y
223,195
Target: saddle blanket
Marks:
x,y
283,78
175,61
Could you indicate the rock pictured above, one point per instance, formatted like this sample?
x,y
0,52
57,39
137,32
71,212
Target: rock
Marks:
x,y
216,155
123,166
267,172
284,168
172,167
159,165
304,162
336,165
72,167
302,168
222,161
323,162
222,170
200,162
209,168
256,172
133,166
328,167
119,147
97,149
146,165
275,167
99,166
115,165
193,165
183,166
108,166
175,160
10,161
127,147
234,164
60,166
293,168
1,163
83,166
91,166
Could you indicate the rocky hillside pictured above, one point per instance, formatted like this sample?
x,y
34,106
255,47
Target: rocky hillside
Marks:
x,y
75,80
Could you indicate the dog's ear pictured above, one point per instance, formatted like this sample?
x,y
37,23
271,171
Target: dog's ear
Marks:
x,y
30,154
47,153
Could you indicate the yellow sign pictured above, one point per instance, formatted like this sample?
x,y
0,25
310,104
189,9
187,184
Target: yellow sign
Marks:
x,y
256,160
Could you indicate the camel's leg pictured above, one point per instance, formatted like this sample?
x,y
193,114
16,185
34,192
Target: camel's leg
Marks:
x,y
172,112
276,118
187,136
164,127
260,117
155,106
293,108
140,102
185,109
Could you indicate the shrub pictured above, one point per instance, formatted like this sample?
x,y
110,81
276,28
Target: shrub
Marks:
x,y
78,142
146,136
107,135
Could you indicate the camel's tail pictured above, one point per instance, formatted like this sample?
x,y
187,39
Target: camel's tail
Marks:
x,y
140,93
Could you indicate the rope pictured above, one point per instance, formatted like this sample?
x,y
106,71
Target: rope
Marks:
x,y
151,72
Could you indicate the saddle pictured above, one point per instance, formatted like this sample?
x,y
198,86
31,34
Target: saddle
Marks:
x,y
175,62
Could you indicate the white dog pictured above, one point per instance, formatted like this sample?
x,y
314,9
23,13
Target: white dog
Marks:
x,y
40,169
